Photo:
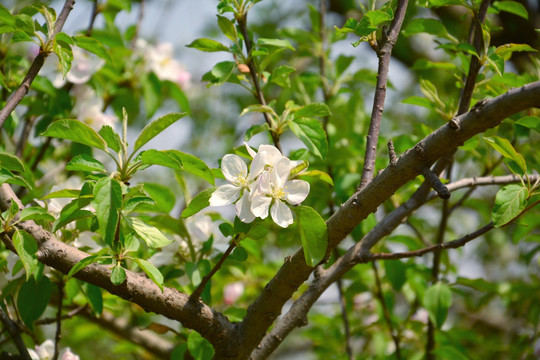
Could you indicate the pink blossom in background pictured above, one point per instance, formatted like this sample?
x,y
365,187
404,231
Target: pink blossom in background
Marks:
x,y
232,292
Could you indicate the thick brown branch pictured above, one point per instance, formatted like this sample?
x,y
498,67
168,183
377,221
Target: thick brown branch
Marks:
x,y
22,90
137,288
384,54
294,271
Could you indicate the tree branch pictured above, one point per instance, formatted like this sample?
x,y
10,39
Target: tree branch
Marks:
x,y
384,53
242,24
15,333
36,65
137,288
442,141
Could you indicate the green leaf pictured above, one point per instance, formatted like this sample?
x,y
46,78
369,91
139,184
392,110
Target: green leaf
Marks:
x,y
509,203
11,162
72,212
437,301
7,21
24,23
33,299
199,347
420,101
280,76
280,43
199,202
378,17
505,51
7,176
208,45
35,213
162,195
505,148
150,235
151,86
258,108
65,193
430,26
239,254
255,129
449,353
313,234
138,202
312,134
84,263
227,28
153,273
155,127
75,131
108,203
118,275
111,137
92,45
396,273
512,7
167,158
196,166
317,174
63,50
531,122
312,110
95,297
85,162
26,247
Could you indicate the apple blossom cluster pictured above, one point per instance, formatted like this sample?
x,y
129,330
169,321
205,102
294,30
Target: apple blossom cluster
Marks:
x,y
266,188
159,59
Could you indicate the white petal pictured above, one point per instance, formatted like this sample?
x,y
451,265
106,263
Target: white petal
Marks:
x,y
250,151
263,185
268,155
281,214
224,195
281,172
297,191
243,208
260,205
233,167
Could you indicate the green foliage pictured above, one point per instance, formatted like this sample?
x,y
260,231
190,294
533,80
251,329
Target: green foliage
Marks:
x,y
286,76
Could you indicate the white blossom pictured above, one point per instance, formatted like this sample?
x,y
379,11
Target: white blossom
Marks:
x,y
45,351
89,108
236,172
83,66
274,189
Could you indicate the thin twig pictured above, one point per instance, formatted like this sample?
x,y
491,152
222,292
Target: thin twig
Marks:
x,y
433,248
386,312
242,24
344,314
15,333
29,122
36,65
138,25
69,315
58,334
384,54
198,291
95,11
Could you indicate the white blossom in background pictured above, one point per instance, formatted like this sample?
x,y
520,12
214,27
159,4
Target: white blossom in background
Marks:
x,y
232,292
83,66
267,187
45,351
89,108
200,227
159,59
